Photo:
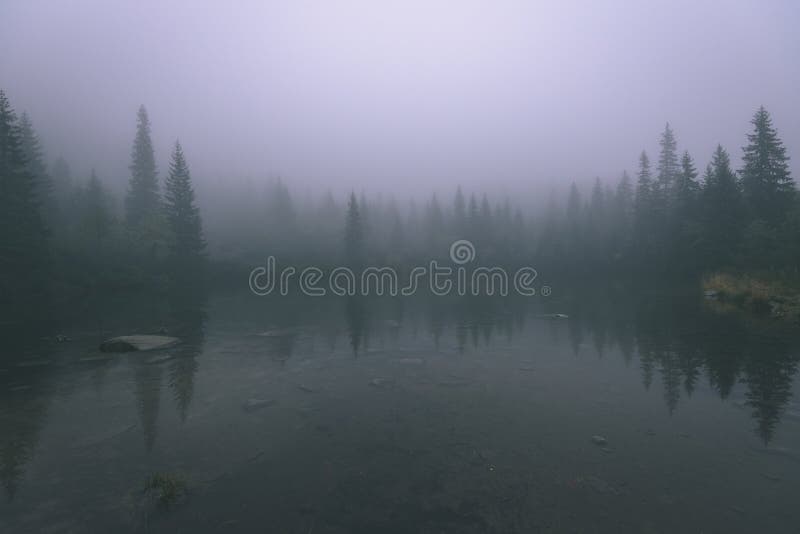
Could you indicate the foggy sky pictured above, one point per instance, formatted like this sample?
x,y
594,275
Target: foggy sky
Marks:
x,y
388,95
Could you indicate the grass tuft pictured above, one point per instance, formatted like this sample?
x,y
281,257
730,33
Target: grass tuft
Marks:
x,y
166,488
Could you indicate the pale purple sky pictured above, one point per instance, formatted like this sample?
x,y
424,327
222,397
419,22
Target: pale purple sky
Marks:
x,y
401,95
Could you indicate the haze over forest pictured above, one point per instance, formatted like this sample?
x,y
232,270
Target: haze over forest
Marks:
x,y
409,98
361,266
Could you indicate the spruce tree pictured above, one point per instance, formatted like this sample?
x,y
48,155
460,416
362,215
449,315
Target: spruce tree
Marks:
x,y
623,215
97,213
644,183
686,186
23,246
643,208
624,197
766,182
354,234
61,176
142,201
187,246
434,225
722,210
34,156
473,218
459,211
668,168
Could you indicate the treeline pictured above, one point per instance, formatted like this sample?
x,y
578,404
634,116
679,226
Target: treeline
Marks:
x,y
59,232
668,218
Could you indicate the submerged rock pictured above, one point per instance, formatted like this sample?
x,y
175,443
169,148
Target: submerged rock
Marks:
x,y
255,404
137,343
279,332
599,440
598,484
381,382
554,316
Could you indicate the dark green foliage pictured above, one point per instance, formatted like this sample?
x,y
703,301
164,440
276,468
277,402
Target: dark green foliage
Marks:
x,y
23,247
670,223
643,209
142,201
34,156
668,169
97,216
767,185
686,188
166,488
186,243
723,212
354,234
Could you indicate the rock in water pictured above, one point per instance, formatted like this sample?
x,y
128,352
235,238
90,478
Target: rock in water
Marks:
x,y
599,440
553,316
138,342
255,404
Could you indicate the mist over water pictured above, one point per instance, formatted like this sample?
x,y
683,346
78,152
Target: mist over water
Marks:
x,y
391,267
407,97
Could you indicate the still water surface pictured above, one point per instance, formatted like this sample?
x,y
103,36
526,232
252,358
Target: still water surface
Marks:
x,y
410,415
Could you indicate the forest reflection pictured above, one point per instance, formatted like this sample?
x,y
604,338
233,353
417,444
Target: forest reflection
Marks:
x,y
680,343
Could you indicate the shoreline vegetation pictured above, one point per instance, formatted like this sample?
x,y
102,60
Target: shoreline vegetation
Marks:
x,y
75,238
777,296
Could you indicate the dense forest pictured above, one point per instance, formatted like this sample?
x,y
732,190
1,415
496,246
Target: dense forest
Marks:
x,y
72,233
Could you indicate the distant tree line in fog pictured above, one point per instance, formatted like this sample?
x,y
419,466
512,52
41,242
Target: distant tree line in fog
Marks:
x,y
668,218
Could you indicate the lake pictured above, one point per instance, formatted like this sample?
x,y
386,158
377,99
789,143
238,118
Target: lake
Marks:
x,y
641,412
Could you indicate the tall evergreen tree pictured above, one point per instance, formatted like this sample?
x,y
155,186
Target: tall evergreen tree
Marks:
x,y
142,201
434,225
686,186
23,247
623,215
187,246
624,197
354,234
668,167
97,213
644,183
766,182
459,211
722,210
61,176
643,207
34,156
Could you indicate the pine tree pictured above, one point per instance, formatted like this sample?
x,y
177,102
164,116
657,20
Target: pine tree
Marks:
x,y
623,215
61,176
624,198
722,210
23,246
34,156
573,203
142,201
354,234
643,207
97,214
686,186
434,225
668,168
187,246
683,226
459,211
766,181
473,217
644,184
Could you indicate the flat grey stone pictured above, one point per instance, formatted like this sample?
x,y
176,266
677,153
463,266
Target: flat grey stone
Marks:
x,y
137,343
